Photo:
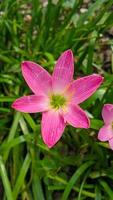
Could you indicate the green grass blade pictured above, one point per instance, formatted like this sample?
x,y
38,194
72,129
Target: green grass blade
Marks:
x,y
107,189
21,176
37,188
5,180
74,179
98,195
12,132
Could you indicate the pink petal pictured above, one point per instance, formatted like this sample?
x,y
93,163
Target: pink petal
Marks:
x,y
107,113
76,117
111,143
31,104
37,78
105,133
52,127
63,71
84,87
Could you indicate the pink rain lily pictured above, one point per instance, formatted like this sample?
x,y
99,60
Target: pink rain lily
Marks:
x,y
57,96
106,132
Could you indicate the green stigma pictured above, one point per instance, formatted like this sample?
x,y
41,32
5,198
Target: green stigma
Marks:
x,y
57,101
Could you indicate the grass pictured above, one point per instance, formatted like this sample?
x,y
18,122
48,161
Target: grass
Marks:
x,y
79,167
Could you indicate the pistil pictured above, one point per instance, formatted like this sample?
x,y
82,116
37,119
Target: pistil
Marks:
x,y
57,101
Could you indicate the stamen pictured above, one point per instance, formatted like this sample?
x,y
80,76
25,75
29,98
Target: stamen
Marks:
x,y
57,101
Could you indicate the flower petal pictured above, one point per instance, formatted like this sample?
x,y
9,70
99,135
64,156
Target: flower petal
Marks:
x,y
31,104
111,143
76,117
84,87
52,127
105,133
37,78
63,71
107,113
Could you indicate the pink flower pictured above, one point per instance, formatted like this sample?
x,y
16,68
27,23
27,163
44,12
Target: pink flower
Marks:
x,y
57,96
106,132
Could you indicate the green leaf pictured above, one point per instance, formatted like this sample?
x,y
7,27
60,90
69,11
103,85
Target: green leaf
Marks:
x,y
74,179
21,177
6,182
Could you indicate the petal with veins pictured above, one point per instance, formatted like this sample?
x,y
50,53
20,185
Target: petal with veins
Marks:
x,y
105,133
37,78
84,87
31,104
107,113
76,117
111,143
52,127
63,71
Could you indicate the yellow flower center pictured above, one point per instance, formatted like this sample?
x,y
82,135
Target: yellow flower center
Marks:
x,y
57,101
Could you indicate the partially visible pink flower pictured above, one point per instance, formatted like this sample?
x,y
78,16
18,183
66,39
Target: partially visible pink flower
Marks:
x,y
57,96
106,132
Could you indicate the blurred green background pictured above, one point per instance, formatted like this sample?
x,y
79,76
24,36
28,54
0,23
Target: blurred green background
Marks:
x,y
79,167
